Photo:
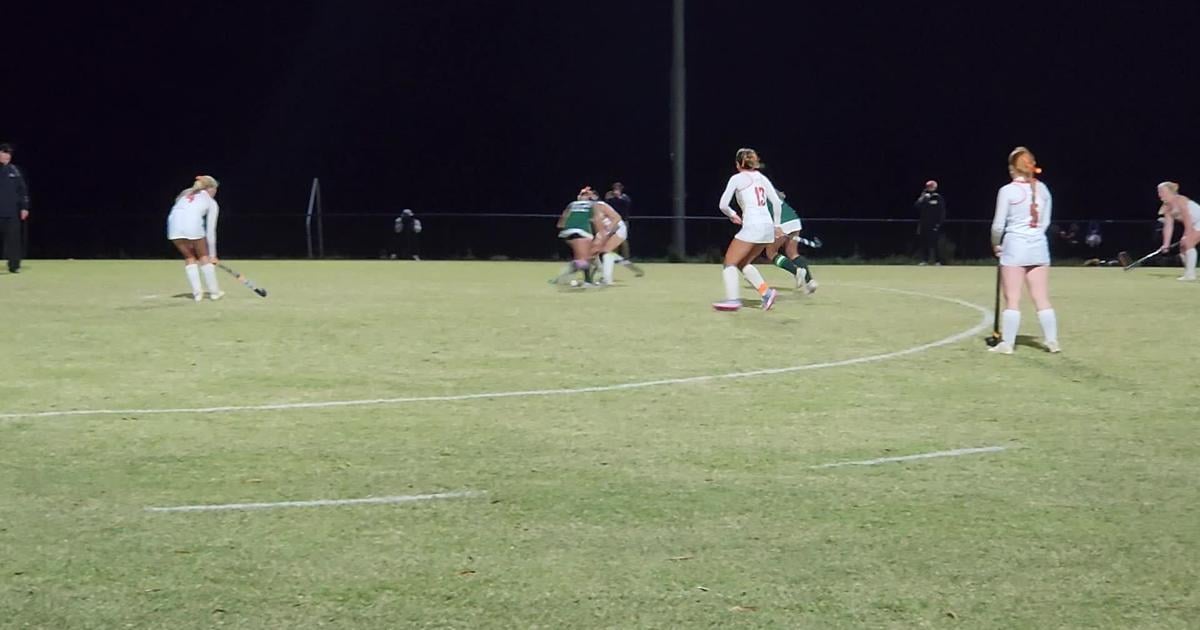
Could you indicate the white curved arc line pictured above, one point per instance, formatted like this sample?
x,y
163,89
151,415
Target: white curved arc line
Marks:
x,y
984,322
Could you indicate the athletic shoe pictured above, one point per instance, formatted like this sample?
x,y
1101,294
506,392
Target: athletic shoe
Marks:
x,y
1186,278
1001,348
216,296
1052,347
811,287
727,305
768,299
198,297
801,276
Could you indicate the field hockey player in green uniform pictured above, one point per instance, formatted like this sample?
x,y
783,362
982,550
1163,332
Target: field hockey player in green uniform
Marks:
x,y
791,260
578,227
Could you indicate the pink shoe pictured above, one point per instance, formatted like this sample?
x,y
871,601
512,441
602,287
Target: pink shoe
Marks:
x,y
727,305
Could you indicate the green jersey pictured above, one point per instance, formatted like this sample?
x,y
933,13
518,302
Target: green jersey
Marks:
x,y
580,216
788,213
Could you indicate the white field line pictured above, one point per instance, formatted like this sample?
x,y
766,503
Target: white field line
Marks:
x,y
409,498
958,452
984,322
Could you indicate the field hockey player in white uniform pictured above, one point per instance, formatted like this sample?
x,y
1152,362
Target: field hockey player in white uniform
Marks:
x,y
1019,240
192,227
612,234
760,227
1176,207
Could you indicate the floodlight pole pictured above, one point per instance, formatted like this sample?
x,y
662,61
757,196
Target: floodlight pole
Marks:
x,y
314,208
678,144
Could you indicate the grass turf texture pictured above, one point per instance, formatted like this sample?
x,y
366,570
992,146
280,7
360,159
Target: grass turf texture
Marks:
x,y
675,506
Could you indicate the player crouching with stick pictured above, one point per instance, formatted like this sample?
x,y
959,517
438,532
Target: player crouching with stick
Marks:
x,y
1019,241
192,227
1176,207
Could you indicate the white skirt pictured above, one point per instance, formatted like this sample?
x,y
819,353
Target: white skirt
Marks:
x,y
185,225
756,232
622,231
792,226
1021,252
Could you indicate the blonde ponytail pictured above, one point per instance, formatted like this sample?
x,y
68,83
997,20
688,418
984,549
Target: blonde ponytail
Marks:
x,y
747,159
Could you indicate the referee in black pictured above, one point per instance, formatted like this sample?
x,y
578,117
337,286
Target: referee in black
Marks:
x,y
931,209
14,207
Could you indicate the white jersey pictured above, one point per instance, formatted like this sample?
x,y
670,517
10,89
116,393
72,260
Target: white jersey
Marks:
x,y
753,191
1014,216
193,217
1022,231
1193,210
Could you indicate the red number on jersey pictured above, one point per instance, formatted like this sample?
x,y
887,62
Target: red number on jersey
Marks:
x,y
761,195
1034,215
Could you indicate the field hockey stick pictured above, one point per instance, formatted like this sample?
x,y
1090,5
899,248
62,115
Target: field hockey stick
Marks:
x,y
244,280
814,242
1138,263
995,337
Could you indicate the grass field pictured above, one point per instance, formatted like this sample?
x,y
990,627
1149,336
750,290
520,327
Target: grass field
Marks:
x,y
684,504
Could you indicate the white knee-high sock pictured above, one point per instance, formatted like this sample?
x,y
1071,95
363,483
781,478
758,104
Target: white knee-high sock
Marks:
x,y
193,276
755,279
730,276
210,278
607,263
1049,325
1012,321
1189,262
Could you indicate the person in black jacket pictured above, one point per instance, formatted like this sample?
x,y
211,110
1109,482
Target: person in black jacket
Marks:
x,y
14,207
406,228
932,211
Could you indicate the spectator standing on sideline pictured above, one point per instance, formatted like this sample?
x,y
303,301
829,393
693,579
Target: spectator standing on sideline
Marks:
x,y
407,226
620,202
931,209
14,207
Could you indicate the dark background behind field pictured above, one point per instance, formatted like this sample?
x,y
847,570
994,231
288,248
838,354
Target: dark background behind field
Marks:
x,y
510,107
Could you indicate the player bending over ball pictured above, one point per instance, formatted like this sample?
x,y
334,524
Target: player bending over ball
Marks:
x,y
760,228
1019,240
611,233
192,227
1176,207
579,227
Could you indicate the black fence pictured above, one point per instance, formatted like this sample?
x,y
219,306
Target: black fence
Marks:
x,y
533,237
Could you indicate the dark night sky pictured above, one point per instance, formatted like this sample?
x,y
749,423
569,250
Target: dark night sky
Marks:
x,y
511,106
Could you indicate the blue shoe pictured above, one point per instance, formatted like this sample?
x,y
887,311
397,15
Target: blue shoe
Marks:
x,y
768,299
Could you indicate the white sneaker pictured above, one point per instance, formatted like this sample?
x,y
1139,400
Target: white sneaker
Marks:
x,y
811,287
1001,348
1052,347
727,305
216,296
1187,278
